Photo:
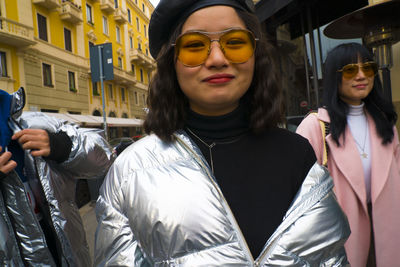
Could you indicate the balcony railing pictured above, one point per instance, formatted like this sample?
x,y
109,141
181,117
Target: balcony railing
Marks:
x,y
107,6
120,16
71,12
15,33
49,4
142,59
123,77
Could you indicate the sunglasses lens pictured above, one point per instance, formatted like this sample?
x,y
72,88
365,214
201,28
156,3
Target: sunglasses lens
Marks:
x,y
369,69
238,45
192,48
349,71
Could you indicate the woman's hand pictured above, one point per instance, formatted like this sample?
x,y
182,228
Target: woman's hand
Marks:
x,y
6,165
37,140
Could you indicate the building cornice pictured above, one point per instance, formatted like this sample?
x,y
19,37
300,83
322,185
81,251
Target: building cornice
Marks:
x,y
56,53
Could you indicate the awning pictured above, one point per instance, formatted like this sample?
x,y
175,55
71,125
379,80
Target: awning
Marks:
x,y
277,12
93,121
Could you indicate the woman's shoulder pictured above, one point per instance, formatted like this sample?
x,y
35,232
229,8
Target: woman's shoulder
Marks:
x,y
288,137
148,152
286,142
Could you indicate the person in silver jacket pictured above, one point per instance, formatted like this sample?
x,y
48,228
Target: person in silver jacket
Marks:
x,y
216,182
41,158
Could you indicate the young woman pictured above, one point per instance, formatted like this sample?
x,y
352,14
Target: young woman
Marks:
x,y
213,180
362,154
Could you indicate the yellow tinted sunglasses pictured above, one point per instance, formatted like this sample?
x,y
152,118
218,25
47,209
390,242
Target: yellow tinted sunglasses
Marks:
x,y
193,48
350,70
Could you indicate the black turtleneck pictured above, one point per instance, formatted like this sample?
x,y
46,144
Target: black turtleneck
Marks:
x,y
259,175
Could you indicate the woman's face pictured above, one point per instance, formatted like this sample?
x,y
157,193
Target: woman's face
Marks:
x,y
354,89
215,87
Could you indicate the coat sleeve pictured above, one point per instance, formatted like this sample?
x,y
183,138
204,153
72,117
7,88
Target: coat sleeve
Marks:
x,y
90,156
310,129
396,146
115,244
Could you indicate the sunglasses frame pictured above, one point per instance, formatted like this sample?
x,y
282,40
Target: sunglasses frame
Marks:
x,y
372,63
207,34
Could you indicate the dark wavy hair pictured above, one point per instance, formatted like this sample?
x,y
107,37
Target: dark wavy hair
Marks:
x,y
168,105
381,110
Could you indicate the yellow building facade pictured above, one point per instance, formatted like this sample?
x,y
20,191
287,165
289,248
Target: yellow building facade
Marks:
x,y
44,47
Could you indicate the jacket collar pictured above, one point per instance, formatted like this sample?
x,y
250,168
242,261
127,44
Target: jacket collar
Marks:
x,y
17,103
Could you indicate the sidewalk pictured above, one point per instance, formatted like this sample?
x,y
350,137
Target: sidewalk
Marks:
x,y
89,222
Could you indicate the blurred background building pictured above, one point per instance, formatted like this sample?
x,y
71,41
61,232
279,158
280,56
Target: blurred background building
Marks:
x,y
44,47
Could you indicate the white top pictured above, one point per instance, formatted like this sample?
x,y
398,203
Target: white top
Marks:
x,y
357,121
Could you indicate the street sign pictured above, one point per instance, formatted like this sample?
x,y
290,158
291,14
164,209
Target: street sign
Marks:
x,y
101,67
106,59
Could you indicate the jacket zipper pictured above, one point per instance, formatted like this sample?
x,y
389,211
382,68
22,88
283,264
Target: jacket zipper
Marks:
x,y
224,202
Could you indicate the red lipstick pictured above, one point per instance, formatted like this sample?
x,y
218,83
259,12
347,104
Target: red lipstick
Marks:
x,y
219,78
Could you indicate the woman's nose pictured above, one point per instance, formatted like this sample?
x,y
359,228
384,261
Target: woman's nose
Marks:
x,y
216,57
360,73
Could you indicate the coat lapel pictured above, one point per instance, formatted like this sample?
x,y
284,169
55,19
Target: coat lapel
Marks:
x,y
348,161
381,159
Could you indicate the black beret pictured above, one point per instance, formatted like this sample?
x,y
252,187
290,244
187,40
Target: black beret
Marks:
x,y
169,12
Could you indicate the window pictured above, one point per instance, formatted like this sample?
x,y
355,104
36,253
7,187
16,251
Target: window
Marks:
x,y
130,42
118,32
144,99
136,99
3,64
143,8
89,16
42,27
110,91
67,39
133,68
116,3
71,81
141,75
95,91
145,30
137,24
123,94
105,25
135,1
129,16
47,79
139,46
120,62
147,51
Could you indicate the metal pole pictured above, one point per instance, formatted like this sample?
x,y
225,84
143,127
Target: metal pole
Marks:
x,y
102,90
312,52
387,88
305,60
319,45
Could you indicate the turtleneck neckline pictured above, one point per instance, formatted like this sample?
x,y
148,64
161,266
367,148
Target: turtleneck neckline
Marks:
x,y
357,110
219,128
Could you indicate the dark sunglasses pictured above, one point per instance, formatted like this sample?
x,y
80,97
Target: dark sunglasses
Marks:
x,y
369,68
193,48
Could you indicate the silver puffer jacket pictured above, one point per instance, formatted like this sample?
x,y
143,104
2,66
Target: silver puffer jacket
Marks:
x,y
161,206
22,242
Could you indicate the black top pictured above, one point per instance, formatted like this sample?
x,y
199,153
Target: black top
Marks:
x,y
259,175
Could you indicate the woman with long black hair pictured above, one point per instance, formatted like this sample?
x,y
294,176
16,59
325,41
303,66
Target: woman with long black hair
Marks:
x,y
216,182
362,153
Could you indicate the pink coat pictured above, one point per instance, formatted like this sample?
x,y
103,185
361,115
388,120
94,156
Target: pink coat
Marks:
x,y
345,166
